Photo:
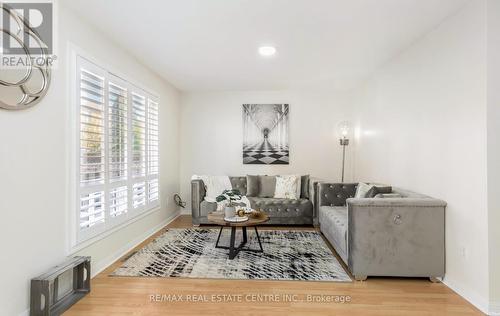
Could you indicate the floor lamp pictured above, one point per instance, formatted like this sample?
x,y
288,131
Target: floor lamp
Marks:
x,y
343,131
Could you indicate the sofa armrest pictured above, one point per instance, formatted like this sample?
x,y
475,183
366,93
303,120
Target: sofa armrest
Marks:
x,y
313,197
396,237
197,195
395,202
331,194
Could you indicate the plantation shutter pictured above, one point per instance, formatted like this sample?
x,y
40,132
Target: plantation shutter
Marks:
x,y
118,146
92,146
153,151
138,150
118,150
117,132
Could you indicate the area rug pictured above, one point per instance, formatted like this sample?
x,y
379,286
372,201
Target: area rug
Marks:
x,y
190,253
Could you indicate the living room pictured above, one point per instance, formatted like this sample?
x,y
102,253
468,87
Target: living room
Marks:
x,y
317,101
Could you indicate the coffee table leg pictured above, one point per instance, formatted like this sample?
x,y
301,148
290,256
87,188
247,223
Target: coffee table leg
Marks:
x,y
218,237
258,239
244,230
232,251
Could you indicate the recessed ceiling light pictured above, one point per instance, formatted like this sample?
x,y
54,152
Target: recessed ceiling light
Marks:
x,y
267,51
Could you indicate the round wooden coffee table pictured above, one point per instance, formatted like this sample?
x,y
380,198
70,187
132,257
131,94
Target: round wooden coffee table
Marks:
x,y
217,218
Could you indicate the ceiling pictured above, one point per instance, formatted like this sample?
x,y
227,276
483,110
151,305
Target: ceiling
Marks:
x,y
204,45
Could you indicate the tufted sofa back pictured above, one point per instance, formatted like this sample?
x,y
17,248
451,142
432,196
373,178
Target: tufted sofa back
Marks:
x,y
335,194
240,183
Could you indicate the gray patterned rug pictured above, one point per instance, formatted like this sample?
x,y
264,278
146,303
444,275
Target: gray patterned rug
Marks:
x,y
190,253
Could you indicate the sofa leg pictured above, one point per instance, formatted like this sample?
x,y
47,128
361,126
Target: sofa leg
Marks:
x,y
360,277
434,279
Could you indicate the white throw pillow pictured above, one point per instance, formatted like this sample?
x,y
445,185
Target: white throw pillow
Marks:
x,y
362,190
286,187
299,183
214,186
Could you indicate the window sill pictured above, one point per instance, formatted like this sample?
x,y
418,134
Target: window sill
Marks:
x,y
86,243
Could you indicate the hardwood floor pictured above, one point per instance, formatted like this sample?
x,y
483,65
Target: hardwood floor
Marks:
x,y
376,296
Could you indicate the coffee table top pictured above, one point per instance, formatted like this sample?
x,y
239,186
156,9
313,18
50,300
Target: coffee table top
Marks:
x,y
217,218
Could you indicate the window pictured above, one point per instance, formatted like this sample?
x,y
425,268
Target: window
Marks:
x,y
118,154
153,151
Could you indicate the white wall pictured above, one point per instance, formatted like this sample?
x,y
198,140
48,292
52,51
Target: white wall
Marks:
x,y
33,170
494,151
212,133
422,127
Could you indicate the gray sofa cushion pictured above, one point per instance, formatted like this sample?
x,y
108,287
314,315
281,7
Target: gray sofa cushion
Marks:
x,y
283,207
253,185
240,184
267,186
376,189
388,196
209,207
333,223
304,187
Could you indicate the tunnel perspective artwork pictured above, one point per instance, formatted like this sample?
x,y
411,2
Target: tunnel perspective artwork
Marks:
x,y
265,134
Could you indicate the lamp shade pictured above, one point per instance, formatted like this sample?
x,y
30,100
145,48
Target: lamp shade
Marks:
x,y
344,129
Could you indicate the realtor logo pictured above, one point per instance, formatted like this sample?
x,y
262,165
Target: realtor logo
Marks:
x,y
27,28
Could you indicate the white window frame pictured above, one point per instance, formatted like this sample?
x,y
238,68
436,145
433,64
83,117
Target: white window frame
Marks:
x,y
80,238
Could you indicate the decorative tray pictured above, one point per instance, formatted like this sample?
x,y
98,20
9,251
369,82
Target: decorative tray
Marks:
x,y
236,219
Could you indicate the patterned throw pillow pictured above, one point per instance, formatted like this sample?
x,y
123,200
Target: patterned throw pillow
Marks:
x,y
286,187
362,190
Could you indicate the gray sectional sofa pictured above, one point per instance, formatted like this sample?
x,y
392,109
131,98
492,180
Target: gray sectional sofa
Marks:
x,y
281,211
402,235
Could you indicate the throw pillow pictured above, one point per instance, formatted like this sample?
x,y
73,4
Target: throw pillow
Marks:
x,y
299,183
376,189
239,183
253,185
286,187
267,186
362,190
299,179
304,187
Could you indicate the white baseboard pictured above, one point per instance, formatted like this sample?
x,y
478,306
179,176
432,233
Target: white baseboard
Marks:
x,y
494,308
98,267
185,212
474,298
